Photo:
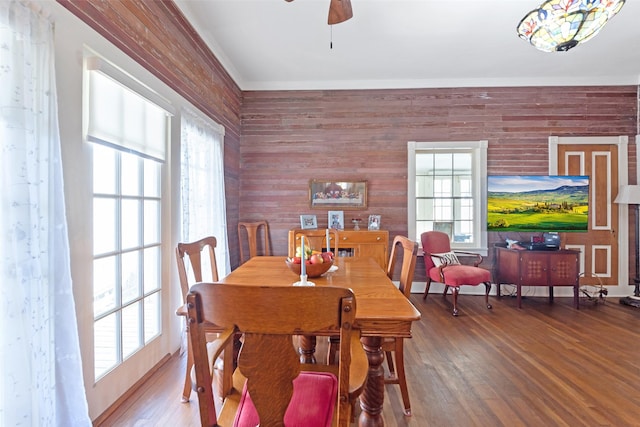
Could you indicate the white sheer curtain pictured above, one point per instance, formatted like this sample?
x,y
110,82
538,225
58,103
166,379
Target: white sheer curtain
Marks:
x,y
40,366
202,184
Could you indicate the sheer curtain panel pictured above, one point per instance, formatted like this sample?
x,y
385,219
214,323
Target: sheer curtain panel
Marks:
x,y
40,366
202,184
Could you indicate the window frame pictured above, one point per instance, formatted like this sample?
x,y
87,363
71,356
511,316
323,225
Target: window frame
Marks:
x,y
145,298
478,150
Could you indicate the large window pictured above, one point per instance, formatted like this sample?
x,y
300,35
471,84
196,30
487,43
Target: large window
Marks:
x,y
447,191
129,136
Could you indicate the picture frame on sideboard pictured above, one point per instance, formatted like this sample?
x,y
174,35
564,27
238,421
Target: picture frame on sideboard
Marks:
x,y
308,222
374,222
336,220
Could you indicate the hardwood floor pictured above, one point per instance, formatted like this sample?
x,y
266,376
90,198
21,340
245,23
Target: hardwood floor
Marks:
x,y
542,365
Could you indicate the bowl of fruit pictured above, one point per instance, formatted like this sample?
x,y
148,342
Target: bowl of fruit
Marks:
x,y
316,263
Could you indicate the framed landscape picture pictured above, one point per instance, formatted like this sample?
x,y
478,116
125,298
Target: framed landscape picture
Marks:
x,y
554,203
337,194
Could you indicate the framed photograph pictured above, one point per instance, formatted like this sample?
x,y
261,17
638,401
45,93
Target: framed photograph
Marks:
x,y
337,194
336,220
308,221
374,222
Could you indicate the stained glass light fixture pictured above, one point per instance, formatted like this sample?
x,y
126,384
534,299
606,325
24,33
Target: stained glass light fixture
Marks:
x,y
559,25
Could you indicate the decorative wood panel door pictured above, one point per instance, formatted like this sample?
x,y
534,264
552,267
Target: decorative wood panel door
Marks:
x,y
604,160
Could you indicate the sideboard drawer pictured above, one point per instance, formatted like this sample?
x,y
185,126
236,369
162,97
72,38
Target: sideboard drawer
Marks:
x,y
363,236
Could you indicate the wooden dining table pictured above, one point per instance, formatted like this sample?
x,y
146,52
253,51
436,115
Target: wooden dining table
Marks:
x,y
381,311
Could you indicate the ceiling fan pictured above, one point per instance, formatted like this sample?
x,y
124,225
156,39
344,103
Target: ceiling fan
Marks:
x,y
339,11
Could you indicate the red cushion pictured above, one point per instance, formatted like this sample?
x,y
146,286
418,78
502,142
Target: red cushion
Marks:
x,y
312,404
457,275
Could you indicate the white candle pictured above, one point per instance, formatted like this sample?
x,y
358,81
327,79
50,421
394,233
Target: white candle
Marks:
x,y
328,246
303,256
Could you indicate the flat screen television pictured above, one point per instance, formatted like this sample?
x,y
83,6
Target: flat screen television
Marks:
x,y
538,203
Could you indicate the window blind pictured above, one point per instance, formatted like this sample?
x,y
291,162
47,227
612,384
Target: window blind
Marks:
x,y
122,118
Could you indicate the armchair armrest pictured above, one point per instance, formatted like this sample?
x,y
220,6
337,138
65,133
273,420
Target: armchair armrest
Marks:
x,y
478,257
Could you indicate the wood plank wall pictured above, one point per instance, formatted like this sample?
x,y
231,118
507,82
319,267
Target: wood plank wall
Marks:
x,y
277,140
157,35
289,137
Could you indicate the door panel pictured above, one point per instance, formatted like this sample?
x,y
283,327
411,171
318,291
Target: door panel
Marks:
x,y
562,269
599,245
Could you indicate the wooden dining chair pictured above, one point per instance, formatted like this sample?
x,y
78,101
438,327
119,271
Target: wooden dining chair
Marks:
x,y
270,387
249,237
194,270
443,266
407,250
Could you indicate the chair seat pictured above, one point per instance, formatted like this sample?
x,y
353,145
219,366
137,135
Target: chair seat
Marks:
x,y
458,275
312,404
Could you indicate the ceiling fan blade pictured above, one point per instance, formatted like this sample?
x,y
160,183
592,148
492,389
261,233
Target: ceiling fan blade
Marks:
x,y
339,11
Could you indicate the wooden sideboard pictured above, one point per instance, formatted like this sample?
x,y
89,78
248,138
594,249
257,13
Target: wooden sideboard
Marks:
x,y
537,268
352,243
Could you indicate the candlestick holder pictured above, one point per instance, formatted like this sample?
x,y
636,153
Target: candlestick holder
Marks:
x,y
303,281
356,223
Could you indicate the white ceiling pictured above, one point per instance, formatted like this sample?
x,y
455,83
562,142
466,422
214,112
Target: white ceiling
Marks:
x,y
277,45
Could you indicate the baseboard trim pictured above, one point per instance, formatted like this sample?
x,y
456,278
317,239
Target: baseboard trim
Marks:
x,y
532,291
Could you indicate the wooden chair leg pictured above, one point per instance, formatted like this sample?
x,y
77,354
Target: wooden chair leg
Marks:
x,y
426,289
334,344
353,409
487,286
402,379
186,389
392,370
446,289
456,290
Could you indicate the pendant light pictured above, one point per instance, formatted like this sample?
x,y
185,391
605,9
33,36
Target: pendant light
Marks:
x,y
559,25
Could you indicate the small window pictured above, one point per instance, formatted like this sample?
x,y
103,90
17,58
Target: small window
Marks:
x,y
447,191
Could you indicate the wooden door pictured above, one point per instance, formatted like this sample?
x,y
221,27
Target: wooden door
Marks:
x,y
601,161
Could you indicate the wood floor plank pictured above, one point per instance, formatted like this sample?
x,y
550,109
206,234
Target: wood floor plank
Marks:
x,y
542,365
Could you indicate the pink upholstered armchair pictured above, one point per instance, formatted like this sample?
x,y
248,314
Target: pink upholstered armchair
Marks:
x,y
442,266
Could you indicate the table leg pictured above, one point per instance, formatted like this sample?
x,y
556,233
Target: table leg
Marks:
x,y
307,349
550,294
519,295
372,397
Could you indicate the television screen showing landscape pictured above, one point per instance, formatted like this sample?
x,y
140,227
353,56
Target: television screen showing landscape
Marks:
x,y
537,203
